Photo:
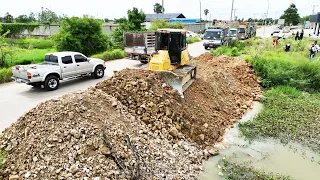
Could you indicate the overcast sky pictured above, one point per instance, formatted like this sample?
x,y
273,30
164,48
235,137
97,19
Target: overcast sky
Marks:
x,y
219,9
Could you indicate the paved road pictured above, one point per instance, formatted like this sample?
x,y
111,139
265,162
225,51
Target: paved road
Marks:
x,y
17,99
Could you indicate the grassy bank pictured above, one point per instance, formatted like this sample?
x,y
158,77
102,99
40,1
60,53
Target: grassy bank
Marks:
x,y
5,75
27,56
27,43
111,55
233,171
289,115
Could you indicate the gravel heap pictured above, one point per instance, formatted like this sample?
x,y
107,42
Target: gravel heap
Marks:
x,y
91,134
131,126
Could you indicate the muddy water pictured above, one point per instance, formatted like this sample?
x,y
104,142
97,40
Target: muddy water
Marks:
x,y
267,155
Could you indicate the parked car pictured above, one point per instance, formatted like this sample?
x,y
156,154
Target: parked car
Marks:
x,y
58,66
286,29
275,31
191,34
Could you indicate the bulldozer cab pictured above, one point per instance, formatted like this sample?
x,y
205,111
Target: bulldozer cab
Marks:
x,y
172,40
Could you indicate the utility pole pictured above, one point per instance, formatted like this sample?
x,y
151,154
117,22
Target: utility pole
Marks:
x,y
314,7
264,29
231,10
200,10
234,14
162,6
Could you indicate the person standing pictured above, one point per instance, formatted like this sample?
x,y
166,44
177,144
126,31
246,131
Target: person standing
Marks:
x,y
313,51
297,36
301,35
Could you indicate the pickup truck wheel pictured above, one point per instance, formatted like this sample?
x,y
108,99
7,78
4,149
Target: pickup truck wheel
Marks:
x,y
98,72
51,83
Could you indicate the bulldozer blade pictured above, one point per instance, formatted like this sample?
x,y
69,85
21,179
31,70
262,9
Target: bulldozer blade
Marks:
x,y
180,79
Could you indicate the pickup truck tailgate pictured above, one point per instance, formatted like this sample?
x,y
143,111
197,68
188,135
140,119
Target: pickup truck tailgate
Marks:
x,y
20,72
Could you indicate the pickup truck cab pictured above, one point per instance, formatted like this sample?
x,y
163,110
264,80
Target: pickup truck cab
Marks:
x,y
58,66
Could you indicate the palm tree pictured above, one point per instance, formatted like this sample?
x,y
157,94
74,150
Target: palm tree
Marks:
x,y
206,12
157,8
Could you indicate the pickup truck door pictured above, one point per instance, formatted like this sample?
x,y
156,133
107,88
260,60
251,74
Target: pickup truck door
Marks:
x,y
82,64
68,66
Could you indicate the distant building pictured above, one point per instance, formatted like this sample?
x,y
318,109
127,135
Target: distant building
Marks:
x,y
315,20
183,20
165,16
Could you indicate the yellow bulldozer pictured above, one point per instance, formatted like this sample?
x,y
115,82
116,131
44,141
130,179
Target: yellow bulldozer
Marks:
x,y
171,59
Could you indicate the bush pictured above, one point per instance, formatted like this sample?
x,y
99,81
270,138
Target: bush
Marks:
x,y
111,55
5,75
82,35
158,24
224,50
287,69
191,40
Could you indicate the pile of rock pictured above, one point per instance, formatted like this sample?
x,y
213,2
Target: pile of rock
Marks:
x,y
82,136
148,99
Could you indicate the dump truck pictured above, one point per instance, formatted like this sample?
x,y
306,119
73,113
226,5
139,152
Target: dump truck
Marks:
x,y
243,31
253,30
215,37
139,45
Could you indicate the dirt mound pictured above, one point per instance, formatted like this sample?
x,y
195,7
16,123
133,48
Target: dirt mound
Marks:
x,y
224,90
82,135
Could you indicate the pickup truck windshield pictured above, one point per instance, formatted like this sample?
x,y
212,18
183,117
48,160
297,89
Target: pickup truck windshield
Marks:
x,y
242,30
50,59
212,35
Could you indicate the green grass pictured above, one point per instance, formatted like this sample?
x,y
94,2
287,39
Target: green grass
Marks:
x,y
289,115
111,55
27,56
27,43
5,75
277,67
191,40
236,48
233,171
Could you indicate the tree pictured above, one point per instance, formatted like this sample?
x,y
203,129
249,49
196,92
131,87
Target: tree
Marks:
x,y
8,18
158,9
291,15
305,18
5,50
32,17
46,16
206,12
23,19
133,23
81,35
136,17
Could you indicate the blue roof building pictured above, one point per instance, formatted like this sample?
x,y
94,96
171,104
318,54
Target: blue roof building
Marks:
x,y
183,20
165,16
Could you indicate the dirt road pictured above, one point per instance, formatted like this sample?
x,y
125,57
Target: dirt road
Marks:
x,y
16,99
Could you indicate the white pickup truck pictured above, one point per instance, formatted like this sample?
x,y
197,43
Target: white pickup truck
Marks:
x,y
58,66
